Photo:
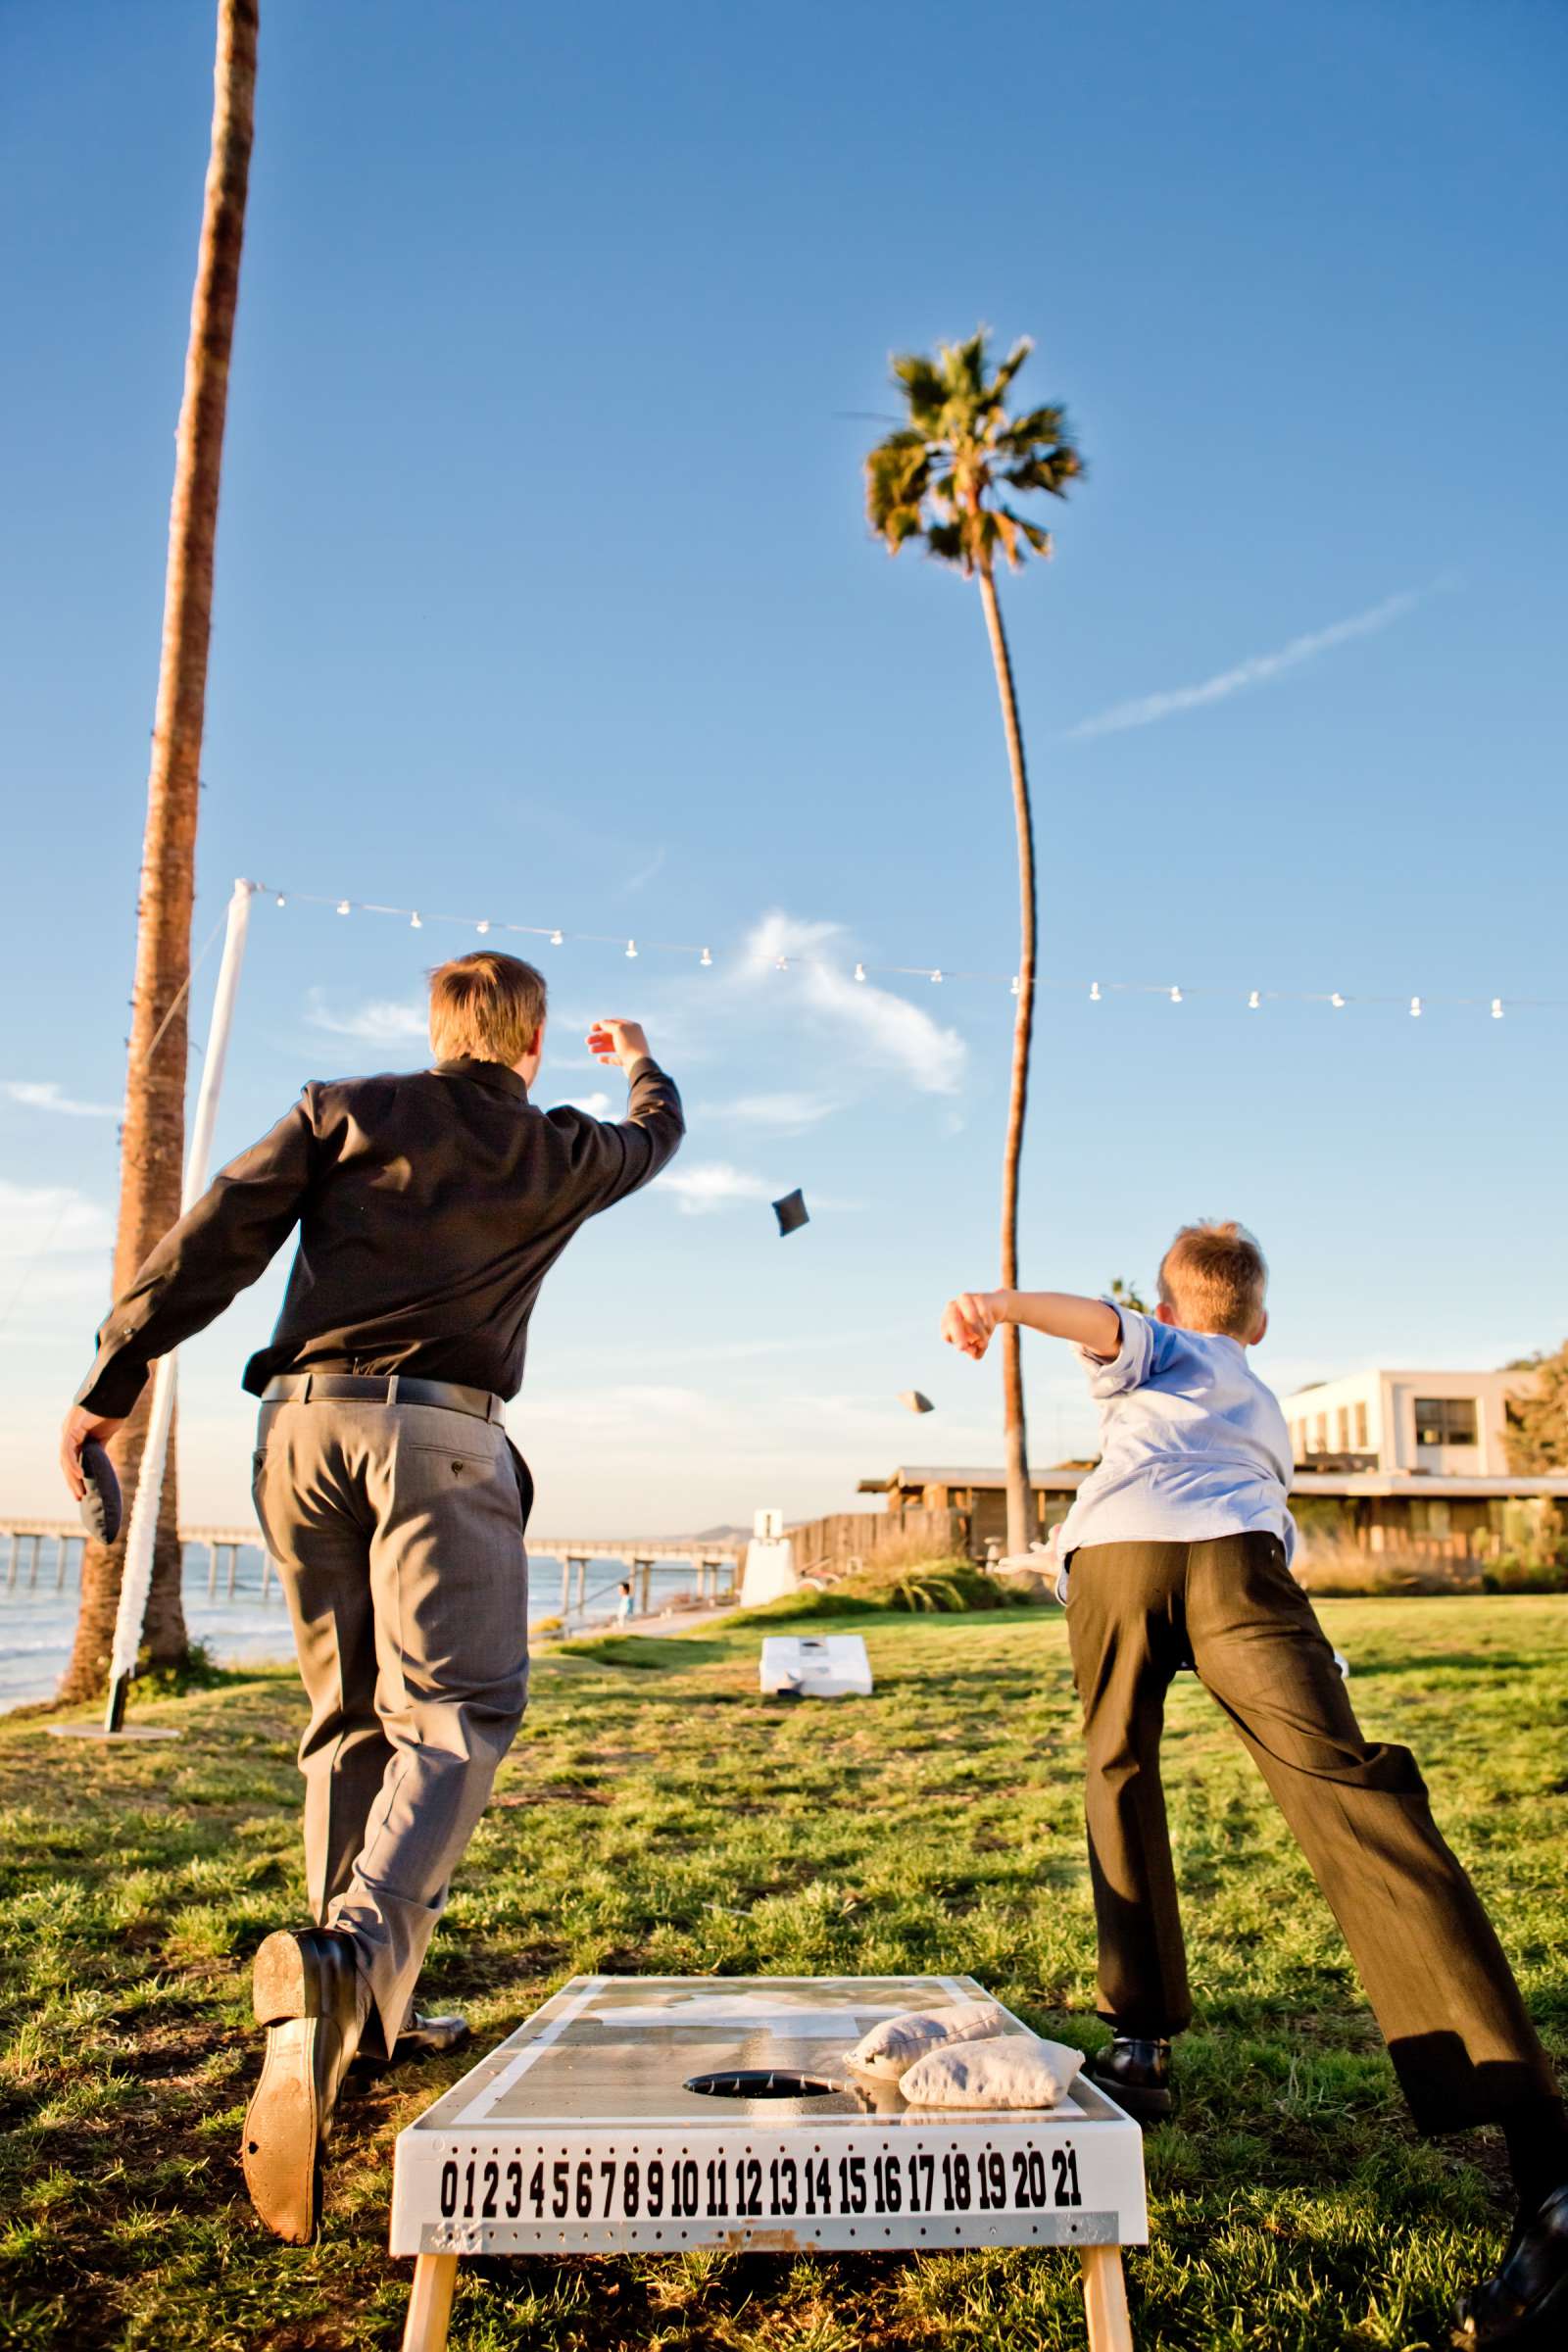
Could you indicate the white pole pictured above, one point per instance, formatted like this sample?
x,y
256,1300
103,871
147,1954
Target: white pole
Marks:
x,y
136,1577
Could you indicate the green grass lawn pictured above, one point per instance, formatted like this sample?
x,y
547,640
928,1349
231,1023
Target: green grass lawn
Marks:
x,y
657,1814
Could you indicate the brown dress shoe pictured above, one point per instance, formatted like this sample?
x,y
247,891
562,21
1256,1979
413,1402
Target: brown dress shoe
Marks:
x,y
308,1993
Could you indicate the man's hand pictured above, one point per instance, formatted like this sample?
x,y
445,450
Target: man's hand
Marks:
x,y
619,1042
81,1425
968,1321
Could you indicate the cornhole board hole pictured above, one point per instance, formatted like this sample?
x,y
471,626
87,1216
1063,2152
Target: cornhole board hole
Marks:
x,y
584,2133
815,1666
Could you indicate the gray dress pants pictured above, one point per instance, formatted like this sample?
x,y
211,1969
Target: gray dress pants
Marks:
x,y
398,1535
1462,2044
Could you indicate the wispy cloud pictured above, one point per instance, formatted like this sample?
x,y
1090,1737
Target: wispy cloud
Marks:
x,y
47,1093
710,1185
886,1028
380,1022
1147,707
784,1113
54,1247
643,876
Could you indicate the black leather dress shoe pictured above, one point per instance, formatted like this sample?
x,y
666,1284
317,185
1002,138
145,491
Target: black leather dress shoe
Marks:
x,y
1137,2074
307,1992
421,2037
1526,2305
429,2037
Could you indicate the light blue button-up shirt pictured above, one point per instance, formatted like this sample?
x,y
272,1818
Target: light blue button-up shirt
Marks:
x,y
1192,1443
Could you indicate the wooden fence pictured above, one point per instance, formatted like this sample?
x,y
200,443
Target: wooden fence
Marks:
x,y
845,1540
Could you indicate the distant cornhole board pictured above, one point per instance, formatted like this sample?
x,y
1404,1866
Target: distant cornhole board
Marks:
x,y
815,1666
584,2133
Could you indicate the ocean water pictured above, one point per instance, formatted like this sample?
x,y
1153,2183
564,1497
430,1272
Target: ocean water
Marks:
x,y
37,1620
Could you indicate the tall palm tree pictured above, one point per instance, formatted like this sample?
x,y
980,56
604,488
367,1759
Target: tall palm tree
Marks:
x,y
941,479
153,1138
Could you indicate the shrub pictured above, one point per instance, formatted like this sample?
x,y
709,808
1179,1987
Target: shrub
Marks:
x,y
926,1587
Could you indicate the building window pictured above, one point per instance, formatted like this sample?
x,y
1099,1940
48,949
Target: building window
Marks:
x,y
1445,1421
1362,1442
1320,1434
1342,1431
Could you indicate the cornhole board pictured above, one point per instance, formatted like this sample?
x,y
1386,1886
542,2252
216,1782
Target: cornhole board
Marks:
x,y
815,1666
580,2133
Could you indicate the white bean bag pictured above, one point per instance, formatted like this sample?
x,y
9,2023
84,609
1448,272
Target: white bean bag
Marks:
x,y
889,2049
1006,2071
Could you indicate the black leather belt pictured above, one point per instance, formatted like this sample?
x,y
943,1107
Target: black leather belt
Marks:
x,y
393,1388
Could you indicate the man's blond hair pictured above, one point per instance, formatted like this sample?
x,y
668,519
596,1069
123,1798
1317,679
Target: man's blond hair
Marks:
x,y
1213,1278
489,1006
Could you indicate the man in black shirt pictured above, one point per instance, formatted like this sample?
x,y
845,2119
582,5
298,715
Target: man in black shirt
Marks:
x,y
431,1205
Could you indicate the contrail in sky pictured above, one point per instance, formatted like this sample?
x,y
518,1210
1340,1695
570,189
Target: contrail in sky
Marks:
x,y
1262,666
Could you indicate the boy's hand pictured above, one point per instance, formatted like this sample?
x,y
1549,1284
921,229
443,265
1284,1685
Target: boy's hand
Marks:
x,y
619,1042
968,1321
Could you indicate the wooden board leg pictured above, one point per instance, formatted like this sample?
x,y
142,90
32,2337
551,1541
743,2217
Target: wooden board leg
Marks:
x,y
1105,2300
430,2304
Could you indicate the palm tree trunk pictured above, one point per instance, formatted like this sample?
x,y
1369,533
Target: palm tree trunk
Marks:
x,y
1021,1527
153,1137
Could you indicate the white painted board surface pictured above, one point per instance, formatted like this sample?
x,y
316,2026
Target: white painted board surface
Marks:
x,y
581,2133
816,1666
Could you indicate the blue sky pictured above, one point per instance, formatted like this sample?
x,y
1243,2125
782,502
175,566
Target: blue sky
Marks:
x,y
544,592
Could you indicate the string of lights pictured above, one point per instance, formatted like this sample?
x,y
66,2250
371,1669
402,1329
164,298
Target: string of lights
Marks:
x,y
1253,999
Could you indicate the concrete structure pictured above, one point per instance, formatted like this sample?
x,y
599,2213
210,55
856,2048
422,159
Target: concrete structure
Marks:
x,y
1435,1424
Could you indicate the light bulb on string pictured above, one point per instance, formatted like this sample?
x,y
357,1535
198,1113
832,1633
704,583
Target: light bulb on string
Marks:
x,y
482,928
414,923
1175,996
1254,1002
1415,1009
555,938
706,956
1496,1008
281,900
631,948
935,978
1094,996
781,964
1338,1001
860,971
344,908
1013,991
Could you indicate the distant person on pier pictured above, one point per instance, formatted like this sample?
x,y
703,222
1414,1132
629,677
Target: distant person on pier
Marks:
x,y
431,1205
624,1602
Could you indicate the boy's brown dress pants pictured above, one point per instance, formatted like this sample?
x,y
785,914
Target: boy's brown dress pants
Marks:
x,y
1434,1971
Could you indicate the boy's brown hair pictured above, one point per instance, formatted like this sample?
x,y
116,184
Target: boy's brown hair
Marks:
x,y
1213,1278
486,1005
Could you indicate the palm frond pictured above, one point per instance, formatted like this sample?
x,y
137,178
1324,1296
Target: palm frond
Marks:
x,y
936,477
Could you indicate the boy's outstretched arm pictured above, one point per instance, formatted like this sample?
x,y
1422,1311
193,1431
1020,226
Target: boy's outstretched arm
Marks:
x,y
968,1321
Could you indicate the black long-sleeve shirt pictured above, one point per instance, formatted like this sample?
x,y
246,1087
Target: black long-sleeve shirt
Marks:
x,y
430,1206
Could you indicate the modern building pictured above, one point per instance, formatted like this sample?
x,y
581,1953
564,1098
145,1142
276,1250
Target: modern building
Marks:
x,y
1443,1424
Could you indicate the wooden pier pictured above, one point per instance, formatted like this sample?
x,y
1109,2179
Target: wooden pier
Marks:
x,y
715,1566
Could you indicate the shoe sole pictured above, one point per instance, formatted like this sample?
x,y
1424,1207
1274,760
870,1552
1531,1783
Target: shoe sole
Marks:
x,y
281,2152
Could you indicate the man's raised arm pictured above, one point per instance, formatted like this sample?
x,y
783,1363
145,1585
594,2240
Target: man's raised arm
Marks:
x,y
632,1150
